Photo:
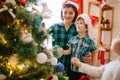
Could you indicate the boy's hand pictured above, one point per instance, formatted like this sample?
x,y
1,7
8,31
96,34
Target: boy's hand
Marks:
x,y
87,59
60,50
76,62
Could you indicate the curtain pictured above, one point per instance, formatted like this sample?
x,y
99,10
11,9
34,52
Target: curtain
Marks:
x,y
81,6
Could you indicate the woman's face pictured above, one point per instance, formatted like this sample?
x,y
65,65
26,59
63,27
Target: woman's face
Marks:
x,y
81,27
68,14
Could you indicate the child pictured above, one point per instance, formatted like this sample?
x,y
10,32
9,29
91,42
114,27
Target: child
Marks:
x,y
81,45
110,71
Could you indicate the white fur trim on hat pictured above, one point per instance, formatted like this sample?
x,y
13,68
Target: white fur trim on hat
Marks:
x,y
73,3
86,18
88,22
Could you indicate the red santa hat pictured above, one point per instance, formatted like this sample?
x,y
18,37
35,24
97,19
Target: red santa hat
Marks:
x,y
88,22
77,3
89,19
86,18
73,2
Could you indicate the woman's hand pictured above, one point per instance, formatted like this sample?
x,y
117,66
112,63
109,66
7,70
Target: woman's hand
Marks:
x,y
87,59
76,62
66,52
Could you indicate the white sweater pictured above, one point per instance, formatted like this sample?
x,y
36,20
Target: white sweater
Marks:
x,y
110,71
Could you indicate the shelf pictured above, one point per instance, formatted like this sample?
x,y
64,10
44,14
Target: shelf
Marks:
x,y
95,3
107,8
105,29
103,8
107,50
102,28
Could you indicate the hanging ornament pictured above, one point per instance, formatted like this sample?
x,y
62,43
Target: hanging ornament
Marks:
x,y
27,63
52,77
26,37
57,51
60,67
53,61
13,60
107,22
55,77
0,1
2,77
24,66
46,13
11,1
41,58
23,2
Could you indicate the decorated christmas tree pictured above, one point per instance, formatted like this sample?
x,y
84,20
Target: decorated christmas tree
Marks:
x,y
23,55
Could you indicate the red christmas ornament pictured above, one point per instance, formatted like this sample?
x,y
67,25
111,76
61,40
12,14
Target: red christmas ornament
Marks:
x,y
84,78
107,23
0,1
50,77
23,2
6,19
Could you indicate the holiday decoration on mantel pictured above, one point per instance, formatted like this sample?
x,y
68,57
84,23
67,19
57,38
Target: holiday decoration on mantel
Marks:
x,y
23,55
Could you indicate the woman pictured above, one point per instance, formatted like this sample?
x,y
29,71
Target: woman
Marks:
x,y
61,32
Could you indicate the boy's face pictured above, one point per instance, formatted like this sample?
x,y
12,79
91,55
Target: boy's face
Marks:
x,y
68,14
80,25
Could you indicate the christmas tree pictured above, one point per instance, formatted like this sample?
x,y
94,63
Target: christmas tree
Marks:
x,y
23,55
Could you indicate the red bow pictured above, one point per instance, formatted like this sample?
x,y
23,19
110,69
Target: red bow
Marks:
x,y
94,20
84,78
23,2
0,1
